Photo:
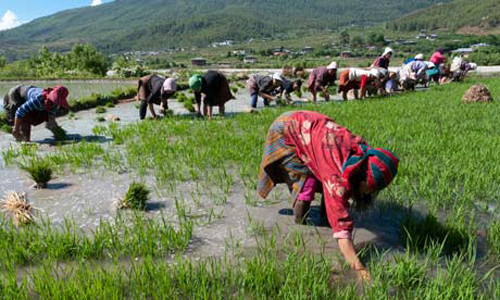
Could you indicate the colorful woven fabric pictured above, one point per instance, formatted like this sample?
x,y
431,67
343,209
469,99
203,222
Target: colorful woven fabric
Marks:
x,y
378,166
279,162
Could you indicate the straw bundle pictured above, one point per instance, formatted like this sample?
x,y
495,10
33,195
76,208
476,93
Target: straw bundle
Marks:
x,y
478,93
17,205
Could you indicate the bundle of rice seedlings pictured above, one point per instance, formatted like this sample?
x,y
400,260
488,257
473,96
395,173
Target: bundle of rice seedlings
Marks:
x,y
136,197
60,134
17,205
39,170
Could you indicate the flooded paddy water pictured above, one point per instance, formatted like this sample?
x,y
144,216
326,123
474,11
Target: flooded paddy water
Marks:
x,y
88,196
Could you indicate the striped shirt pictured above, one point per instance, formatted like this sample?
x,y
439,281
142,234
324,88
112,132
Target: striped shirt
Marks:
x,y
34,102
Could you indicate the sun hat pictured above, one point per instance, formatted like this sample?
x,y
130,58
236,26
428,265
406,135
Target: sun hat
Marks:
x,y
419,56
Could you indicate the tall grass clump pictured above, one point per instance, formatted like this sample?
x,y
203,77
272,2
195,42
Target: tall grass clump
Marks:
x,y
136,197
493,236
39,170
423,233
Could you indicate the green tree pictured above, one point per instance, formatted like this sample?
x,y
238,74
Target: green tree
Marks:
x,y
344,37
357,42
85,58
3,62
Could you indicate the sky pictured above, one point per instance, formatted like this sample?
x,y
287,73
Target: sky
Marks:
x,y
16,12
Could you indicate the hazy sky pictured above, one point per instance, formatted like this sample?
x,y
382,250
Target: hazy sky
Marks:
x,y
15,12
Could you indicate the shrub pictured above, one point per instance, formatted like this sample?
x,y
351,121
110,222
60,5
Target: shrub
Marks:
x,y
39,170
100,110
137,196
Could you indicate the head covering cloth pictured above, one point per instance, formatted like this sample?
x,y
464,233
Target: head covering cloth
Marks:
x,y
195,82
57,96
376,165
169,85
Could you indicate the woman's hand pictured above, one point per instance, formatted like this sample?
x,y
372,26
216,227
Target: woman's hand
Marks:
x,y
17,135
363,275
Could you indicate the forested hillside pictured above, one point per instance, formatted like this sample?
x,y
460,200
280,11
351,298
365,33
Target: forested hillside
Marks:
x,y
158,24
478,16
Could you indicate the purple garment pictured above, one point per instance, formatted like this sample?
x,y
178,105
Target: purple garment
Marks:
x,y
319,78
391,84
419,67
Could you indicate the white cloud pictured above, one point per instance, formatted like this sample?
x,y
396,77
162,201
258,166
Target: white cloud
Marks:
x,y
96,2
9,20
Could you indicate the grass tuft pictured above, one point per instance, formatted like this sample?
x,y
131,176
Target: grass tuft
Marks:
x,y
39,170
137,196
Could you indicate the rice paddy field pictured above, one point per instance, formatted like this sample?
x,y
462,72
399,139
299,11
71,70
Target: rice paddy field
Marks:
x,y
78,88
205,234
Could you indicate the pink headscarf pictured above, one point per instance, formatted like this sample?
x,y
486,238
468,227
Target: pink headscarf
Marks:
x,y
169,85
56,96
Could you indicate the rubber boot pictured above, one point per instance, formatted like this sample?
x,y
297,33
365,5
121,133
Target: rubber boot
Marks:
x,y
300,210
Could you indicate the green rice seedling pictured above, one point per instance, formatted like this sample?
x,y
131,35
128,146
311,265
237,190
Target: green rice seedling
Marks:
x,y
188,104
407,272
71,115
60,134
39,170
234,89
110,105
100,110
181,98
298,93
100,119
493,237
137,196
420,234
6,128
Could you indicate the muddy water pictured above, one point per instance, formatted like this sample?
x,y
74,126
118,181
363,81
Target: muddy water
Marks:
x,y
88,197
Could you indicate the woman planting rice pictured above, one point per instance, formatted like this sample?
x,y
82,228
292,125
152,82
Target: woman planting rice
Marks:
x,y
355,79
265,87
310,153
319,80
215,89
154,89
27,106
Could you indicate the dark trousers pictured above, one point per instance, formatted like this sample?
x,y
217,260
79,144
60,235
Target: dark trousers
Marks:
x,y
255,99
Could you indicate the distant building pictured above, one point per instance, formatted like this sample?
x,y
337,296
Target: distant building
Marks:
x,y
476,46
307,49
250,59
281,51
239,52
198,61
432,37
463,51
345,54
